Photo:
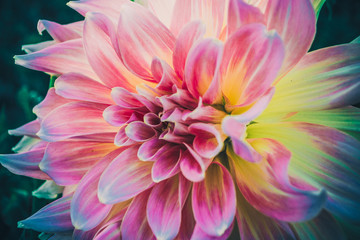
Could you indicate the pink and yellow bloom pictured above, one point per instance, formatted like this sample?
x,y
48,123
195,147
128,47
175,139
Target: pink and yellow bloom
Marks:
x,y
180,119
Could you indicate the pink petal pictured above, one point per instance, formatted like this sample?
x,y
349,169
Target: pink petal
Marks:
x,y
101,55
139,132
74,119
67,162
79,87
51,101
28,129
30,48
204,113
199,234
109,8
86,209
254,225
164,209
139,43
284,16
253,55
267,187
187,221
236,130
191,33
60,58
149,149
111,232
61,33
114,217
255,110
167,163
125,99
210,12
54,217
240,13
135,224
214,201
121,139
26,164
201,69
118,116
192,165
163,10
209,139
164,75
124,178
152,120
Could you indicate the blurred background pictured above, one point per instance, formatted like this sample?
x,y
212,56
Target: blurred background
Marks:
x,y
21,89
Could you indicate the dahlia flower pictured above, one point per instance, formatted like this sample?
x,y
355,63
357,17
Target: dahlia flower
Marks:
x,y
186,119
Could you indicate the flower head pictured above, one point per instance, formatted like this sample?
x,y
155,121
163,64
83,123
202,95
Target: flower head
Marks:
x,y
176,118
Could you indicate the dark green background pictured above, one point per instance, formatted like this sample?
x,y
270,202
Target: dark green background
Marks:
x,y
21,89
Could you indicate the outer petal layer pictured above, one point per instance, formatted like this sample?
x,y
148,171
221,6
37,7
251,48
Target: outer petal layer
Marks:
x,y
214,201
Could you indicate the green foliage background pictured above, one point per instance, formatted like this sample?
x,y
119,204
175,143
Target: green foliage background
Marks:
x,y
21,89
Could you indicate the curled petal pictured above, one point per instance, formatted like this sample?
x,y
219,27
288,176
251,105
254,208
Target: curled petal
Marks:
x,y
133,178
140,132
149,149
167,163
192,165
214,201
118,116
236,130
164,75
121,139
125,99
209,139
204,113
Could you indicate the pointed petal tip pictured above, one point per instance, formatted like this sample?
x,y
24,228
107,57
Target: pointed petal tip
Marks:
x,y
20,224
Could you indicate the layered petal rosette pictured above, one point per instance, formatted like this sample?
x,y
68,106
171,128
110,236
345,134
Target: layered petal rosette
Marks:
x,y
186,119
